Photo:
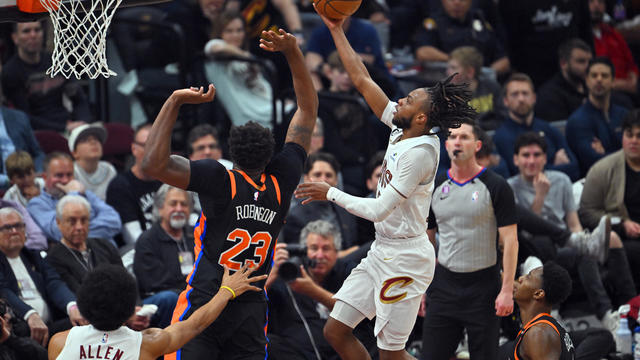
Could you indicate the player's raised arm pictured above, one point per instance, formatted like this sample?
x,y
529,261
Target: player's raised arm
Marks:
x,y
373,94
304,119
158,161
157,342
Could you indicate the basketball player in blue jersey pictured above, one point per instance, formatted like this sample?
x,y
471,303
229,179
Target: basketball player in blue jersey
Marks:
x,y
542,337
242,209
389,283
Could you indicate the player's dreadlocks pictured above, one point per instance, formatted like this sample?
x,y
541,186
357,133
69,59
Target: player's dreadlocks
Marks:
x,y
450,105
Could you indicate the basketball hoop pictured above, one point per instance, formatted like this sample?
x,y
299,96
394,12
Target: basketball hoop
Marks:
x,y
80,32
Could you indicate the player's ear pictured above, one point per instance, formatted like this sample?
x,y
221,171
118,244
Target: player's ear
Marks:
x,y
539,294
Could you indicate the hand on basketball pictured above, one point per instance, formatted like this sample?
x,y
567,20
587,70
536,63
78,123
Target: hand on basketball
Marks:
x,y
504,303
281,41
240,281
332,24
312,191
194,95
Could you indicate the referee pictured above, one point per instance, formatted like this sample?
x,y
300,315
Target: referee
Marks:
x,y
473,210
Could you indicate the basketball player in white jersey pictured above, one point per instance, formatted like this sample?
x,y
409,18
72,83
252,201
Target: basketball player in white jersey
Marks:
x,y
107,298
389,283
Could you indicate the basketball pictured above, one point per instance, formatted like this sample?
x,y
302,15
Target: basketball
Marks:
x,y
337,9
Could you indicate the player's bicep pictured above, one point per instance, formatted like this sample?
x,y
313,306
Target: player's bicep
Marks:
x,y
177,172
374,96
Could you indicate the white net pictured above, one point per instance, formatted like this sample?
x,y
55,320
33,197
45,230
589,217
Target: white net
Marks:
x,y
80,31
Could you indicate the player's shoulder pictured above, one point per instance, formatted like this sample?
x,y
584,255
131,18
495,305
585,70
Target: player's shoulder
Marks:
x,y
56,344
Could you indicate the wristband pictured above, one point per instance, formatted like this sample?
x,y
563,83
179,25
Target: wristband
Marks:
x,y
233,293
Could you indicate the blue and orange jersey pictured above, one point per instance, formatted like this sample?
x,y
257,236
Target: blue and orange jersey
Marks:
x,y
241,218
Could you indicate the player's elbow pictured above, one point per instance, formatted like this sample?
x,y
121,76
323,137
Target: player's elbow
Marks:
x,y
150,167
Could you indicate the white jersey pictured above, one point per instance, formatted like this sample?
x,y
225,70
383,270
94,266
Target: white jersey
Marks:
x,y
87,342
409,167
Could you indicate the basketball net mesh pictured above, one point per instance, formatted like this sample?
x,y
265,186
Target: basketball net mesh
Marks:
x,y
80,31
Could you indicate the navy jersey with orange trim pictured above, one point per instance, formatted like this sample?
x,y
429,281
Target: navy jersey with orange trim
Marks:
x,y
568,350
240,218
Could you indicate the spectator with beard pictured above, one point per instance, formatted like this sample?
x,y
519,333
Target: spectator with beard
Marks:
x,y
566,90
594,129
610,43
519,99
164,253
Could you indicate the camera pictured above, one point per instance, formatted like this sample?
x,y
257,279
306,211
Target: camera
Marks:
x,y
290,269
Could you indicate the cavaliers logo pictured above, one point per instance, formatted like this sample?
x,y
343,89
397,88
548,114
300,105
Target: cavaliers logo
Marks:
x,y
401,281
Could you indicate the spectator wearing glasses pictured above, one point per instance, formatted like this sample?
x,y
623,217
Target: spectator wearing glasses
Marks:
x,y
30,285
131,193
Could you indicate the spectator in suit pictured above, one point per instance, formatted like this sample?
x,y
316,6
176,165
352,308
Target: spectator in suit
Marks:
x,y
30,285
77,254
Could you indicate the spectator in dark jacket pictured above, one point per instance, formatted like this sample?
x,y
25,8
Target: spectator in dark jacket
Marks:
x,y
519,99
31,286
164,253
594,130
76,254
30,89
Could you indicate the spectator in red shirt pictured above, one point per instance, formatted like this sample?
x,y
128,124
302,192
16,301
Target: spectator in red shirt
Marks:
x,y
610,43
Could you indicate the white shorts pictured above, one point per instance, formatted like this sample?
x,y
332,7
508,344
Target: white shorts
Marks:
x,y
388,284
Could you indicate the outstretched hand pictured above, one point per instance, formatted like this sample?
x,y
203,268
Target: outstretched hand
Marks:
x,y
332,24
281,41
312,191
195,95
240,281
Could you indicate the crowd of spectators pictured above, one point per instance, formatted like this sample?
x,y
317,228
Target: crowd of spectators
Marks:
x,y
555,84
